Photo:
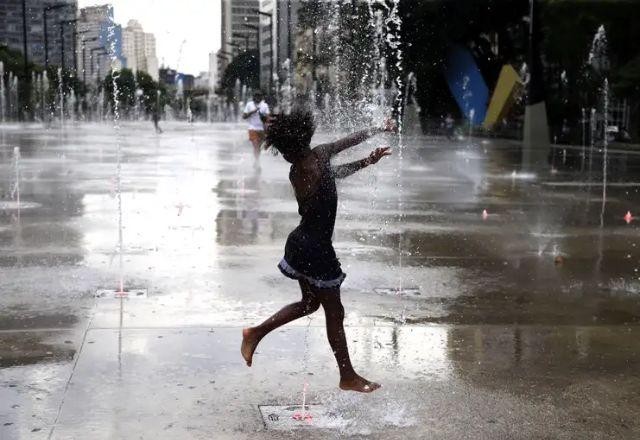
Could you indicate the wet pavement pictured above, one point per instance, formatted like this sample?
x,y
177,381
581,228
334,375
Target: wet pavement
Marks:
x,y
519,323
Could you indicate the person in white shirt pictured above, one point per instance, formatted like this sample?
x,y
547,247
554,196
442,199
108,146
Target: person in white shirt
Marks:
x,y
255,112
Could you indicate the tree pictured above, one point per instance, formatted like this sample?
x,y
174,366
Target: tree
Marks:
x,y
243,67
153,94
125,85
128,85
627,83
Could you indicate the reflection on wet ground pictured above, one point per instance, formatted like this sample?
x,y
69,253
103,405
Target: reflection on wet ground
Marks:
x,y
532,302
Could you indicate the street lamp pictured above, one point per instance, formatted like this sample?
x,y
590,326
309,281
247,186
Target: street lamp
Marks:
x,y
46,10
27,84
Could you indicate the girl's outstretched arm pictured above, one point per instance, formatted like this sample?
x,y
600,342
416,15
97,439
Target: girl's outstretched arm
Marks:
x,y
347,169
333,148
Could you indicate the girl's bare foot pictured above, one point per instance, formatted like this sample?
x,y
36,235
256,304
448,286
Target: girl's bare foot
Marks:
x,y
358,384
249,344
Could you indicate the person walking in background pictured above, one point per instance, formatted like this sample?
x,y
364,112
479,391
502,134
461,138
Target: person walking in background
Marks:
x,y
155,117
256,112
449,127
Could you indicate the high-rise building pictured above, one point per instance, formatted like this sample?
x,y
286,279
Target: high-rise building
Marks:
x,y
213,71
99,42
223,61
167,76
244,28
268,39
287,13
240,26
11,30
202,81
139,49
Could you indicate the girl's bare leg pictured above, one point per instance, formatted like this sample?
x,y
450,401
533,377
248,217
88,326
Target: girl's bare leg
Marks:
x,y
251,336
334,313
256,152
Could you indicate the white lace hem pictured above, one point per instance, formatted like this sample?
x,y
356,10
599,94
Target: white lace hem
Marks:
x,y
322,284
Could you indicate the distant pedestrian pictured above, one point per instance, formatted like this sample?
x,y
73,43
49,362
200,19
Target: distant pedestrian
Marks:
x,y
309,256
449,127
256,112
155,117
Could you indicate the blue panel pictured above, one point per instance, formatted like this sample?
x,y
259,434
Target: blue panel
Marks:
x,y
466,84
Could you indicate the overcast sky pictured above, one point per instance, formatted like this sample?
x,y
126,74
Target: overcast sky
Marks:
x,y
196,22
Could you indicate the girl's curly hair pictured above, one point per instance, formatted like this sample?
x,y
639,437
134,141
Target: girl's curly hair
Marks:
x,y
292,133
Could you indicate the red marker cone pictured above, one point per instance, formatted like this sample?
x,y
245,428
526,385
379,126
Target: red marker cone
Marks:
x,y
628,217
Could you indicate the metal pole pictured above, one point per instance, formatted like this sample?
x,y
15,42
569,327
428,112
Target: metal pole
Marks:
x,y
98,66
84,59
289,29
75,50
46,40
62,44
27,83
273,52
313,54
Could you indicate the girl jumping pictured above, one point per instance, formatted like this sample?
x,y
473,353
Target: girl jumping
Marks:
x,y
309,256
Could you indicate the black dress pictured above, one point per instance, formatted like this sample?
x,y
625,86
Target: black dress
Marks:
x,y
309,253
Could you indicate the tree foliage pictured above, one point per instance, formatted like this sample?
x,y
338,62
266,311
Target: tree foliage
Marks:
x,y
132,86
243,67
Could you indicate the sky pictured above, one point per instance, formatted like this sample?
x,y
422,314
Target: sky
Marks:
x,y
194,22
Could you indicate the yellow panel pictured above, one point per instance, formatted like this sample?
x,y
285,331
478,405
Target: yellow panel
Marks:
x,y
504,95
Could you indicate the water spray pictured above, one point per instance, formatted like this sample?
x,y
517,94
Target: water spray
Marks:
x,y
605,145
15,192
303,415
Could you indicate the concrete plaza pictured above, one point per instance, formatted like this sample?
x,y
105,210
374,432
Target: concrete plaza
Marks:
x,y
519,323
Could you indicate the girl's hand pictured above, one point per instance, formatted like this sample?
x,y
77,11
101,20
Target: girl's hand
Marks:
x,y
390,125
378,154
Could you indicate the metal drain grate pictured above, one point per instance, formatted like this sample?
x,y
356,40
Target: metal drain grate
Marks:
x,y
116,294
410,291
291,417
